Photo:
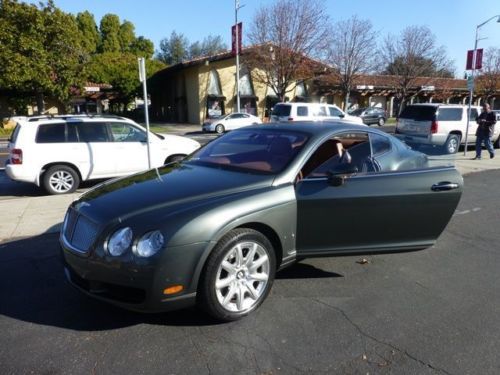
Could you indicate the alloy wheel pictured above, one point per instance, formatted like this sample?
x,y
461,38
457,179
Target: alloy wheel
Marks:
x,y
242,276
61,181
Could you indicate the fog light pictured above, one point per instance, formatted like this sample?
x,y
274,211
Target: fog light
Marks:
x,y
173,289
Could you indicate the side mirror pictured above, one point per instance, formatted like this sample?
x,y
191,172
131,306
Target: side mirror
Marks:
x,y
341,115
338,176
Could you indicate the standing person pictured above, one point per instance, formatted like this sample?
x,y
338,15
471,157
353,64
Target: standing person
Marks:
x,y
486,125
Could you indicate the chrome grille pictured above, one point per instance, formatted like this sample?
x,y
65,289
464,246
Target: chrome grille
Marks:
x,y
79,231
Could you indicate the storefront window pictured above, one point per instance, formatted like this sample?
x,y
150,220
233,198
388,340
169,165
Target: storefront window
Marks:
x,y
215,99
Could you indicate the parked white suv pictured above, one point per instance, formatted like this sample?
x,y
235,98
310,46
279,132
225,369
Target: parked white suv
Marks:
x,y
284,112
59,152
439,125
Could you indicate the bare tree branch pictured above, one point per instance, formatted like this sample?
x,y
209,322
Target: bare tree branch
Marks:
x,y
413,54
488,81
351,51
287,36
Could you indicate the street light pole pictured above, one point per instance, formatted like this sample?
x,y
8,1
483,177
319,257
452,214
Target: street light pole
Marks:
x,y
236,8
471,93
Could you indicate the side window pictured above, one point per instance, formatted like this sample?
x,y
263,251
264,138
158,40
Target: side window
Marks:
x,y
51,133
302,111
473,114
330,157
72,135
322,111
92,132
334,112
122,132
380,144
450,114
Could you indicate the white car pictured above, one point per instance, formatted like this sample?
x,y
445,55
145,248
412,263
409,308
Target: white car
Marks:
x,y
287,112
59,152
230,122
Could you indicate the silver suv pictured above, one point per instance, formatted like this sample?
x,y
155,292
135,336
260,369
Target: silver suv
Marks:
x,y
438,124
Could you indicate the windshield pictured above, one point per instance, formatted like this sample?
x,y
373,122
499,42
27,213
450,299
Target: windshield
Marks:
x,y
261,150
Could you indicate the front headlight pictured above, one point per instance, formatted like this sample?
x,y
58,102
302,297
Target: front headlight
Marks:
x,y
120,241
149,244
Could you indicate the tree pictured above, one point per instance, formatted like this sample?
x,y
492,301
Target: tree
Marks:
x,y
142,47
350,51
126,35
40,51
173,49
210,45
120,70
110,33
488,81
413,54
91,39
285,37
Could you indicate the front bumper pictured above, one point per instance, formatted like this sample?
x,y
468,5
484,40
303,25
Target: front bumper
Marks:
x,y
136,283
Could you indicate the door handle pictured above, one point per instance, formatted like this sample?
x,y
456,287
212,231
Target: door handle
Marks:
x,y
443,186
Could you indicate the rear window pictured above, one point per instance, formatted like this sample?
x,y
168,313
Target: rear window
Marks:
x,y
281,110
380,144
419,113
51,133
450,114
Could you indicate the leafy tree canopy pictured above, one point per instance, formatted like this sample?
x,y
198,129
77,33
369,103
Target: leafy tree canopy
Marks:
x,y
41,50
177,48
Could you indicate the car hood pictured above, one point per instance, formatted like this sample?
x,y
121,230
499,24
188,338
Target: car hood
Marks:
x,y
171,185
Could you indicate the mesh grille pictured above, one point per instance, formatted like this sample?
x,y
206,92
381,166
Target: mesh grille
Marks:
x,y
79,231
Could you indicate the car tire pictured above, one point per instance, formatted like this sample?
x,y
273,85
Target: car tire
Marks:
x,y
219,129
238,275
60,179
174,158
381,121
452,144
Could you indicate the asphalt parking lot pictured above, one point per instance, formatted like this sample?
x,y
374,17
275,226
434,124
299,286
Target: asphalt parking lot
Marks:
x,y
428,312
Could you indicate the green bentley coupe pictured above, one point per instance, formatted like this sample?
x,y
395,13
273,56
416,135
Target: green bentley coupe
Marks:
x,y
214,228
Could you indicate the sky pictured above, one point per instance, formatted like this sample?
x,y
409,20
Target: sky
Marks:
x,y
453,22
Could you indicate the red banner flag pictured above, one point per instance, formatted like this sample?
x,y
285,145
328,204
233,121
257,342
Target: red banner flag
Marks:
x,y
470,57
479,58
233,38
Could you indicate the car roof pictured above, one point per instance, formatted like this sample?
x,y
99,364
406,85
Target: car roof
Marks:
x,y
315,129
47,119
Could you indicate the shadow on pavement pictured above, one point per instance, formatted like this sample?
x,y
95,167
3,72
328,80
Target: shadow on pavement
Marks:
x,y
305,271
33,288
16,189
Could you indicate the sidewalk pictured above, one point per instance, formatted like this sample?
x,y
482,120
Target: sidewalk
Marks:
x,y
25,217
